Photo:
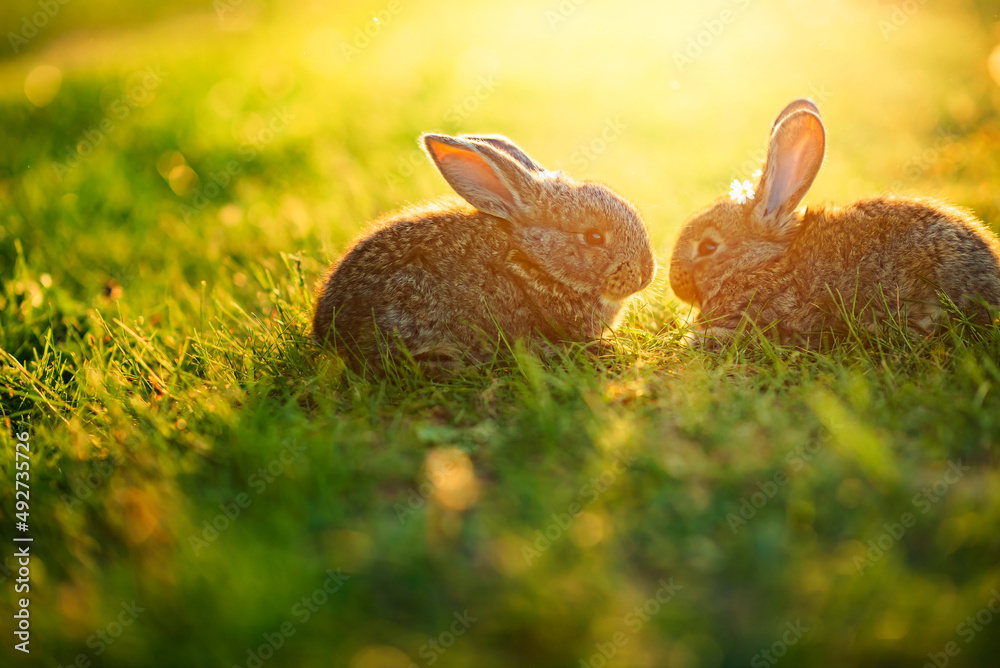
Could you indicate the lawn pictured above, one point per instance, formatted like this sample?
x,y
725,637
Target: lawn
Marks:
x,y
208,488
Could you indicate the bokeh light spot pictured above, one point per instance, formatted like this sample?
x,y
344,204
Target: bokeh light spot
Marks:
x,y
276,81
588,530
849,492
323,53
892,626
231,215
226,97
994,64
455,483
42,85
181,179
167,161
379,656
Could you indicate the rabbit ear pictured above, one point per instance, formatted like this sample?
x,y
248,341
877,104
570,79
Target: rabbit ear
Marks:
x,y
486,178
794,157
802,104
501,143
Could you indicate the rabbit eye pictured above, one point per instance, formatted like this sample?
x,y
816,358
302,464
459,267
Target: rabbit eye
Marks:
x,y
707,247
594,237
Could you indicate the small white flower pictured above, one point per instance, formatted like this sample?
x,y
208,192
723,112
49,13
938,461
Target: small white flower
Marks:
x,y
757,173
741,192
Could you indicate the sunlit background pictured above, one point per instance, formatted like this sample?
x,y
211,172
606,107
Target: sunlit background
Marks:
x,y
175,165
665,101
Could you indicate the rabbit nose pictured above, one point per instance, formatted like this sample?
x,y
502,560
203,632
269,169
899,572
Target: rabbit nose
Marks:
x,y
648,270
681,283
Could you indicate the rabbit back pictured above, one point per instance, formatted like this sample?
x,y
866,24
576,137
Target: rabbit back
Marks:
x,y
891,256
415,275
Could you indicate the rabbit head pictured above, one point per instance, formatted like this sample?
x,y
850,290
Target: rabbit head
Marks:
x,y
729,238
580,233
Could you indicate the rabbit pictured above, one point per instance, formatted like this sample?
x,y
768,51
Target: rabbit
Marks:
x,y
530,254
759,259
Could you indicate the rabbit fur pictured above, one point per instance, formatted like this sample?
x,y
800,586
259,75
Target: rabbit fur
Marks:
x,y
529,254
797,273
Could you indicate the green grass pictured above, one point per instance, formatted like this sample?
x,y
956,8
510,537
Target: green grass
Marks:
x,y
154,345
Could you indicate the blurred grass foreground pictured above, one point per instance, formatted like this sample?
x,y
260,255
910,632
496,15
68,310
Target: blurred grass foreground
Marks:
x,y
209,489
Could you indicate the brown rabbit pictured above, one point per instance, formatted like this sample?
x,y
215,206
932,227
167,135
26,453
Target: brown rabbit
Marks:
x,y
802,270
537,256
